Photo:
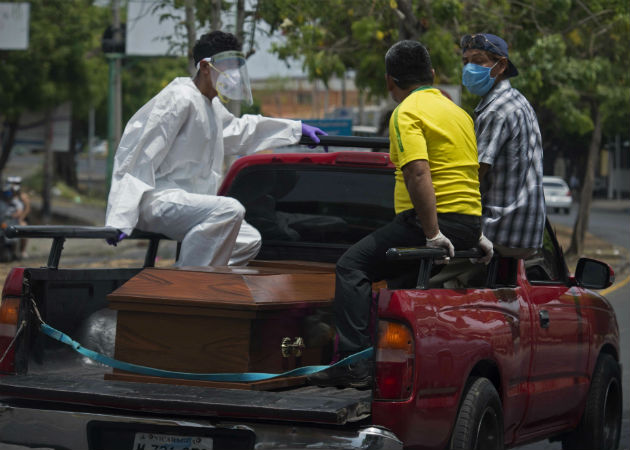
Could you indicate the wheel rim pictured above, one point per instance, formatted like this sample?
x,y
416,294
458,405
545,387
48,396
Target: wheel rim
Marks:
x,y
488,431
611,414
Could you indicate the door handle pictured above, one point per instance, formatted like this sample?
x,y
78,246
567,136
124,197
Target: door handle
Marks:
x,y
544,318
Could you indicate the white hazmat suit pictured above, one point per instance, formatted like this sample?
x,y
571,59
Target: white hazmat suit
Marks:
x,y
169,165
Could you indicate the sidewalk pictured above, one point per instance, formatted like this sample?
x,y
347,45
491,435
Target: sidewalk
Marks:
x,y
611,205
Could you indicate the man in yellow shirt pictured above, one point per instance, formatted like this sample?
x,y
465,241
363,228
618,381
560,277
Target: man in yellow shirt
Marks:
x,y
437,200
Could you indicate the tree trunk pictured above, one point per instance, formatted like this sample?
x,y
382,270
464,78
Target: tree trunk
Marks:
x,y
215,15
252,33
190,34
6,143
409,27
586,194
48,167
66,162
65,168
239,26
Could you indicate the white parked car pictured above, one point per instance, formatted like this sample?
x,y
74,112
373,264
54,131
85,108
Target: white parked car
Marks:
x,y
557,194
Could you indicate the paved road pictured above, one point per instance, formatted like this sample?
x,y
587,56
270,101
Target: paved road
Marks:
x,y
608,220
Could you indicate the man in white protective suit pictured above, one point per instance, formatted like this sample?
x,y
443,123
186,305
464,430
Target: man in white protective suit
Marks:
x,y
169,163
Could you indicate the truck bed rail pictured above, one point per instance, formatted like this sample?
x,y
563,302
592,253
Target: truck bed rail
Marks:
x,y
426,255
59,233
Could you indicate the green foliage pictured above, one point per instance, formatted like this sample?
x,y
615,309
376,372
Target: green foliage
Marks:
x,y
335,36
61,63
331,37
570,115
251,109
445,55
143,78
445,11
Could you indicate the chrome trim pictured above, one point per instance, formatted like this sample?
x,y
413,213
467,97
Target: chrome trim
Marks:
x,y
67,430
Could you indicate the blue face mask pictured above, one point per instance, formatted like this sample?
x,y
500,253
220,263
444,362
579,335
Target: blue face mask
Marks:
x,y
477,78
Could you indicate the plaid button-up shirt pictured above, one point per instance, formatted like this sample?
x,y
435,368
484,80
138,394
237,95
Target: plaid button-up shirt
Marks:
x,y
508,139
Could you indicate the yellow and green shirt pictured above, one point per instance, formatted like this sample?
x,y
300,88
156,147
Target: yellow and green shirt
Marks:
x,y
429,126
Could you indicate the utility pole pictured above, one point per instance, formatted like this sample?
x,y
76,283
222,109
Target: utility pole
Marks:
x,y
114,96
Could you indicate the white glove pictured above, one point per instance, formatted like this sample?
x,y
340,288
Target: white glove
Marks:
x,y
441,241
487,247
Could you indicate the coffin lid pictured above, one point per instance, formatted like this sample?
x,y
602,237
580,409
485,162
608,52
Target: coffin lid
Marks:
x,y
243,288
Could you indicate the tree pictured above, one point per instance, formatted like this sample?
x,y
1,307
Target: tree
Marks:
x,y
210,11
570,54
335,36
60,65
575,72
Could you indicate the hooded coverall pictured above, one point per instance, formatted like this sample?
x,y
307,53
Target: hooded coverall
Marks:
x,y
169,165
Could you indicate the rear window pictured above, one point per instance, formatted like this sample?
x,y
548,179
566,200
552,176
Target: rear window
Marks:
x,y
315,204
554,185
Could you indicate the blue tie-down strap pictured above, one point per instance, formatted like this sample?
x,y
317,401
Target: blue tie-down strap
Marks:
x,y
227,377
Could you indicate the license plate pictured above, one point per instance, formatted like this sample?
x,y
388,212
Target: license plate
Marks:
x,y
153,441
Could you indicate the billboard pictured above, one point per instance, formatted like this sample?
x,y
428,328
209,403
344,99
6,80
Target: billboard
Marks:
x,y
14,25
154,30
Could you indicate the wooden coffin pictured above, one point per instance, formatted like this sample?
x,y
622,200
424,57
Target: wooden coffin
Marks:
x,y
226,319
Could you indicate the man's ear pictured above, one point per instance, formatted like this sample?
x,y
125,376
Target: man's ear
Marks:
x,y
205,68
390,82
500,68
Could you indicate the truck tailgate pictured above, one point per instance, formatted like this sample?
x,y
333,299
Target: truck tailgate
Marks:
x,y
305,404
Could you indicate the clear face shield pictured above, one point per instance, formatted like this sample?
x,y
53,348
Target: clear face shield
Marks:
x,y
229,76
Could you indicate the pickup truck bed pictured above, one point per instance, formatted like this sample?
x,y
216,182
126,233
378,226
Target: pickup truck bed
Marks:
x,y
57,391
53,372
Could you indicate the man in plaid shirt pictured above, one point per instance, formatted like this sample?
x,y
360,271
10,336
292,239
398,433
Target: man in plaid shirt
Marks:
x,y
509,146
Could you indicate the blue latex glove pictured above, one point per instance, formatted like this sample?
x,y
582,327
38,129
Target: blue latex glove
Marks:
x,y
117,239
312,133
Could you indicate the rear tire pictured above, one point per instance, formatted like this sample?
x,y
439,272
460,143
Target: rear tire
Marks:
x,y
479,424
600,426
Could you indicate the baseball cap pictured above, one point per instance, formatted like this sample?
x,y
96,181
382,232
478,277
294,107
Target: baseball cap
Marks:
x,y
490,43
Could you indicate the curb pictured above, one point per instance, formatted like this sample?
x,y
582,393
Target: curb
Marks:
x,y
616,256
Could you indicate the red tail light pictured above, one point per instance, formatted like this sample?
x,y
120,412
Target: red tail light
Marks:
x,y
9,309
395,360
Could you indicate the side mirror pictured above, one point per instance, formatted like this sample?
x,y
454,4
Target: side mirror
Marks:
x,y
593,274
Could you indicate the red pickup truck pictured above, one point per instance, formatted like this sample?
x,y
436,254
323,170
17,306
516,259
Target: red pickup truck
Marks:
x,y
466,357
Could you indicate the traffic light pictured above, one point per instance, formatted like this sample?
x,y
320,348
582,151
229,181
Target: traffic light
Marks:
x,y
108,43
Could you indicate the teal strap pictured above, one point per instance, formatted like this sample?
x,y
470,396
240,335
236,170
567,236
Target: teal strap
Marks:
x,y
226,377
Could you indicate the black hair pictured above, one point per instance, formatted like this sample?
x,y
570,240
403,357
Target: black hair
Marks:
x,y
214,42
409,63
